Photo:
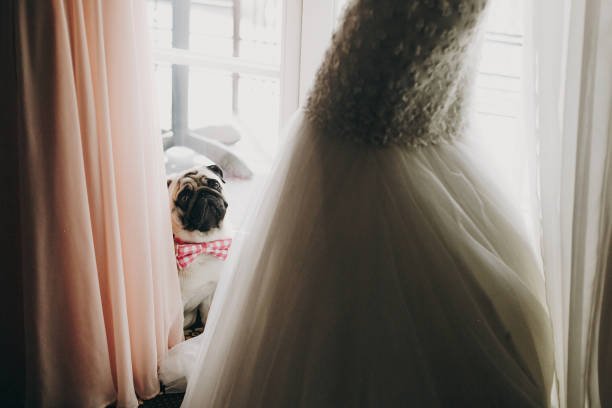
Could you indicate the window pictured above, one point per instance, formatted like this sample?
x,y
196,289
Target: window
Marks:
x,y
499,102
217,67
218,72
499,88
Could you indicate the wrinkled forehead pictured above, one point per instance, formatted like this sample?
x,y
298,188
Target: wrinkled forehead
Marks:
x,y
196,176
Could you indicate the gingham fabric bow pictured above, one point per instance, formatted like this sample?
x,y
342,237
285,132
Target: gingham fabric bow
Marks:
x,y
187,252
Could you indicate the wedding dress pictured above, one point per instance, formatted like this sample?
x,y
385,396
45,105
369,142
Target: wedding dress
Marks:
x,y
383,268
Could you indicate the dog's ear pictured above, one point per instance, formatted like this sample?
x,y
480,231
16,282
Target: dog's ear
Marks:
x,y
217,170
169,181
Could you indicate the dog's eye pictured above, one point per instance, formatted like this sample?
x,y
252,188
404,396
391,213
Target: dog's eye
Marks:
x,y
212,183
185,195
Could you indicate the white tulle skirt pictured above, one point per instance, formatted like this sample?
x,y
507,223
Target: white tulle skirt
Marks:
x,y
375,277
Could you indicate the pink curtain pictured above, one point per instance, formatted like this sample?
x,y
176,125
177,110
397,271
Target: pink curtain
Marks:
x,y
101,300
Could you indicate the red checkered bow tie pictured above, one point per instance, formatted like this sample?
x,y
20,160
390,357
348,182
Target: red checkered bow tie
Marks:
x,y
187,252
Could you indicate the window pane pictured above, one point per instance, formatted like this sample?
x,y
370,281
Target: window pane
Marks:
x,y
211,28
260,30
210,97
160,22
499,100
258,108
210,103
213,96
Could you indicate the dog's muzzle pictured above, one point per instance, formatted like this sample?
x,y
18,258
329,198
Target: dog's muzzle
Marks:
x,y
204,210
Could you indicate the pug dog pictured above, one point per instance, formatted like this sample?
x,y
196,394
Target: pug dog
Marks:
x,y
202,238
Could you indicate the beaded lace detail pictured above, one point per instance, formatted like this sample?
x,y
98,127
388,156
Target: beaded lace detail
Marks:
x,y
398,72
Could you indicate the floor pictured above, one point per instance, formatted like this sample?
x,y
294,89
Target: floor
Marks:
x,y
164,400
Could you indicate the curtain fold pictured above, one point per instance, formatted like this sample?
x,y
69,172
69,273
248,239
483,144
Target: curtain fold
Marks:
x,y
12,375
599,365
101,295
572,90
604,346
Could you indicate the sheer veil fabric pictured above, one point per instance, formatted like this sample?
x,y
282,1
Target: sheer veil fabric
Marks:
x,y
380,269
100,290
341,332
573,104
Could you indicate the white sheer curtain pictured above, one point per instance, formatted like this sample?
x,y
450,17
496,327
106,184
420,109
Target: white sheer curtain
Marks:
x,y
571,62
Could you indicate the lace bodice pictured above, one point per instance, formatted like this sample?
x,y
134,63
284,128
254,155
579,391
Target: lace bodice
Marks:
x,y
398,72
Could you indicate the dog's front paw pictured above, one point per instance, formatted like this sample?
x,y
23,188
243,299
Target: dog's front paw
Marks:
x,y
189,318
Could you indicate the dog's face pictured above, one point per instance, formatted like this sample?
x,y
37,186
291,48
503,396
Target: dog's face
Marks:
x,y
197,202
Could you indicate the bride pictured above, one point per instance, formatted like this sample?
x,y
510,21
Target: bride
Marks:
x,y
383,268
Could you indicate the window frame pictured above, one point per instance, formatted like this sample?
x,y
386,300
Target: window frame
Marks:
x,y
307,26
180,58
